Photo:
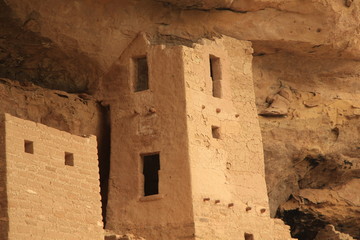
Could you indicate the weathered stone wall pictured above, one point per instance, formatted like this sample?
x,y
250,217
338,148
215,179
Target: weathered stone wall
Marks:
x,y
208,188
149,121
4,223
77,114
298,41
227,171
51,194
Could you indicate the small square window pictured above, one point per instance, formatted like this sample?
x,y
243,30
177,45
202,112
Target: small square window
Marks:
x,y
248,236
29,146
69,159
215,130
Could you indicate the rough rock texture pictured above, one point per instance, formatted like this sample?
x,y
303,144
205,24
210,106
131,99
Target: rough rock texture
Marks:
x,y
338,206
56,109
78,114
291,25
314,148
330,233
102,29
306,73
28,57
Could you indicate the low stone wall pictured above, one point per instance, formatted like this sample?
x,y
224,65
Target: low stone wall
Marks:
x,y
52,183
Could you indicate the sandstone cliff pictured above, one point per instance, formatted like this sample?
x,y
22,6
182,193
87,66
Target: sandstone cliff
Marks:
x,y
306,72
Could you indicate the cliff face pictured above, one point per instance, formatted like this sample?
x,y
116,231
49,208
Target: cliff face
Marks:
x,y
306,72
310,128
27,56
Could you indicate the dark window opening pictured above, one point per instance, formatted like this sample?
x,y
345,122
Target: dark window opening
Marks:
x,y
141,74
215,132
29,146
151,165
215,73
104,142
69,159
248,236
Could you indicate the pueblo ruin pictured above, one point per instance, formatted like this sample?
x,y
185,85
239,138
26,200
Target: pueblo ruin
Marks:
x,y
169,120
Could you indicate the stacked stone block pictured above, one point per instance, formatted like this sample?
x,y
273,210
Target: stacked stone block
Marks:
x,y
3,197
52,183
199,115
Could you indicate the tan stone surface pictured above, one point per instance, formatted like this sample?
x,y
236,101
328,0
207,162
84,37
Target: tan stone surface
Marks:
x,y
306,47
135,131
315,146
27,56
78,114
103,29
4,223
47,199
330,233
229,169
57,109
205,184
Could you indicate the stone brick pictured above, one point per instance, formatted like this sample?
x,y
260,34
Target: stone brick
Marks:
x,y
193,90
45,197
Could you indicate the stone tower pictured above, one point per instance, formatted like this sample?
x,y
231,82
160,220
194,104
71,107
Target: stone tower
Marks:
x,y
187,157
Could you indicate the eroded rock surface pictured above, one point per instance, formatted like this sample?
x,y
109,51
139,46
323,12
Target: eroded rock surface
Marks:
x,y
28,57
314,149
56,109
306,74
329,232
338,206
102,29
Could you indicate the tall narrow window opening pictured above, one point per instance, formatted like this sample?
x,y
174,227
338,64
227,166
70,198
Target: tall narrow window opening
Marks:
x,y
216,76
151,167
248,236
141,74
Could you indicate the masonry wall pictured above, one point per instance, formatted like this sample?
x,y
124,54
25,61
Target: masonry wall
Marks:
x,y
4,223
145,122
227,171
209,187
46,198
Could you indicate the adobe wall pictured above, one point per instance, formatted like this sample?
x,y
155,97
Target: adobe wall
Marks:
x,y
208,188
3,198
46,198
228,179
149,121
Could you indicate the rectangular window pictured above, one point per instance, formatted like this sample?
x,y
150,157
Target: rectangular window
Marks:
x,y
69,159
215,131
216,76
29,146
141,74
248,236
151,166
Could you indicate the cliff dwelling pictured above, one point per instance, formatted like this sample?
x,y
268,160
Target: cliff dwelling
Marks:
x,y
169,120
